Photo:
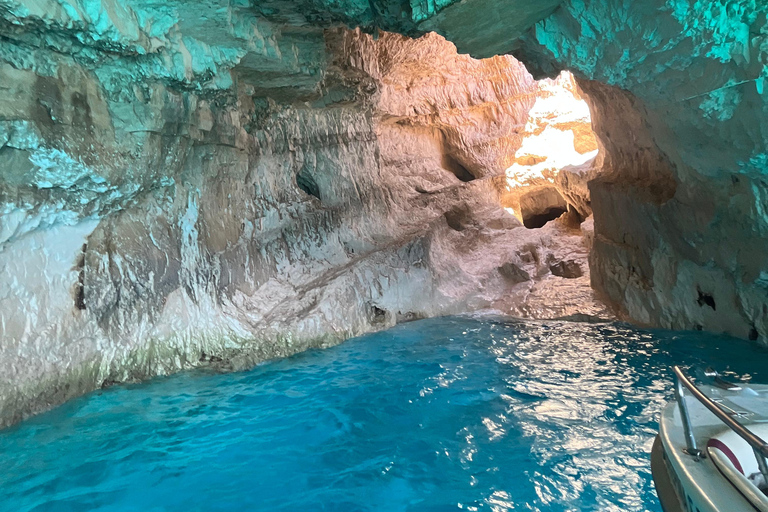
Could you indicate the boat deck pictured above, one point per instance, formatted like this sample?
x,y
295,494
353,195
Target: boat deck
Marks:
x,y
698,483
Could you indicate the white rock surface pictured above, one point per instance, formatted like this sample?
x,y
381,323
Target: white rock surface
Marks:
x,y
678,103
176,194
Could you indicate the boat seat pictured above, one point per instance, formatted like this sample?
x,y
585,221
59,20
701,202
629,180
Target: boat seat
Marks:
x,y
737,450
736,461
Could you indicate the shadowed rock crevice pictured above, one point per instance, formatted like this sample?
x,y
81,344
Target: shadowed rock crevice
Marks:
x,y
454,167
459,219
376,315
705,299
79,291
307,183
541,206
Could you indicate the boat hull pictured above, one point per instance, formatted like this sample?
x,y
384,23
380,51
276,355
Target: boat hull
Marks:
x,y
663,480
696,484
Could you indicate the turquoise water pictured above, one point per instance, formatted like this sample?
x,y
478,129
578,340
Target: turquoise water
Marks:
x,y
437,415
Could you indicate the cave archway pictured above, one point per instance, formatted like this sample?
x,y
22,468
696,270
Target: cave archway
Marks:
x,y
540,206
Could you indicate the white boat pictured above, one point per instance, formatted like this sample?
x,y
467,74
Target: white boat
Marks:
x,y
710,455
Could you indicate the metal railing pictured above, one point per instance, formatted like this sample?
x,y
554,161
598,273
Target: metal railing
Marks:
x,y
759,446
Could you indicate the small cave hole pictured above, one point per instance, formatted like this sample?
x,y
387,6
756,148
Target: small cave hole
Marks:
x,y
454,166
458,219
108,383
80,286
567,269
541,206
753,334
376,315
706,299
307,183
208,358
514,273
408,316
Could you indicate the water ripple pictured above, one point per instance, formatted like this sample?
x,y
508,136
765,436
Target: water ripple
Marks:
x,y
445,414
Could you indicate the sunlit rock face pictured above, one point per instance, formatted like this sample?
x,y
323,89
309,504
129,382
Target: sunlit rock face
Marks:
x,y
677,91
557,156
185,185
432,120
479,108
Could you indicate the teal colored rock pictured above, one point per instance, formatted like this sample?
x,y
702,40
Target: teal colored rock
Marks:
x,y
183,177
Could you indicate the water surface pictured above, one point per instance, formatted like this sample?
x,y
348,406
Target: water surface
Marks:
x,y
438,415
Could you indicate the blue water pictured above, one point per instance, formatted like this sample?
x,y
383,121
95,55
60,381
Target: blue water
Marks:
x,y
437,415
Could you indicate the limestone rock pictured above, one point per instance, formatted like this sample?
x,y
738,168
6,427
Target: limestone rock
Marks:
x,y
199,184
556,157
677,97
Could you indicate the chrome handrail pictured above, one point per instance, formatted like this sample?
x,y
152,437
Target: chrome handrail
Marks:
x,y
759,446
690,440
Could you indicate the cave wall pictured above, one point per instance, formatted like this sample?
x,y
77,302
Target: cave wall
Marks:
x,y
216,183
201,185
676,90
677,94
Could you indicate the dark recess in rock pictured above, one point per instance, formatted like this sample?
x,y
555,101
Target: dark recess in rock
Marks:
x,y
541,206
451,164
307,183
408,316
514,273
566,269
108,383
457,219
540,219
706,299
205,358
376,315
80,286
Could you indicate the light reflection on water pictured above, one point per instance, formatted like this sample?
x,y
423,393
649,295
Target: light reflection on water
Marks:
x,y
442,414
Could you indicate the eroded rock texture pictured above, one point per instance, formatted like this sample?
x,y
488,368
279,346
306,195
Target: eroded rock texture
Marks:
x,y
219,184
677,92
677,96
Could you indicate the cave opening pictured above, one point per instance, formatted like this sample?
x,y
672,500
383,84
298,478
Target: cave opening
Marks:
x,y
541,206
706,299
452,165
306,182
556,157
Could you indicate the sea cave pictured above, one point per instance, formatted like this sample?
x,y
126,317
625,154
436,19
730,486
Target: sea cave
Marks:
x,y
503,205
